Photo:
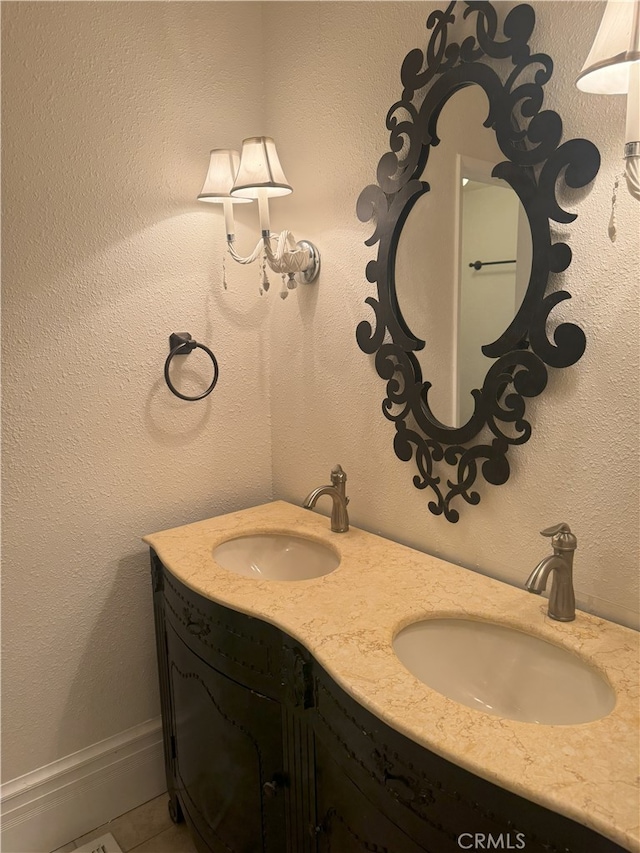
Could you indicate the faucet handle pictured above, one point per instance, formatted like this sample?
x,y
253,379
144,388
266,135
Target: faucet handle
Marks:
x,y
338,475
339,480
562,537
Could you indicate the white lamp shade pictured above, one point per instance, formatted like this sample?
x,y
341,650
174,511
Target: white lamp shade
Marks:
x,y
615,49
260,172
223,166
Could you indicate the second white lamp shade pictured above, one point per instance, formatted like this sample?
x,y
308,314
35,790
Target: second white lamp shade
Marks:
x,y
260,172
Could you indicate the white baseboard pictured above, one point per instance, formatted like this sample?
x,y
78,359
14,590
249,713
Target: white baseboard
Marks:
x,y
51,806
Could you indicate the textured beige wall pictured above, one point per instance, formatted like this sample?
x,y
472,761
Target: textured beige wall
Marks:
x,y
109,113
581,464
109,110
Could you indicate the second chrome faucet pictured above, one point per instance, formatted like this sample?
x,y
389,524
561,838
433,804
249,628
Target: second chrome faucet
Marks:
x,y
337,492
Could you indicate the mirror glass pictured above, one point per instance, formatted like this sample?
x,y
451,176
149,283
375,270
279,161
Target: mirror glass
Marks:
x,y
456,294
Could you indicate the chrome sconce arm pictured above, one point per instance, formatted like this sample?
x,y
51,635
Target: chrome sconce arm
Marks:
x,y
257,176
288,258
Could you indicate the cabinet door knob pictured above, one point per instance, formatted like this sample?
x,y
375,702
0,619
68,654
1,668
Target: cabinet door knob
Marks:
x,y
270,789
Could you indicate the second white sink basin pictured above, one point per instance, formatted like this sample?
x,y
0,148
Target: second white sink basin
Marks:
x,y
504,672
276,556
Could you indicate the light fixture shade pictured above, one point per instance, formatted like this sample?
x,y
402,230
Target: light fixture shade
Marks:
x,y
223,166
260,169
615,49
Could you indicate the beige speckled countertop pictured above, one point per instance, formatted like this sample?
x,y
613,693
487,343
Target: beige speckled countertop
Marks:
x,y
347,620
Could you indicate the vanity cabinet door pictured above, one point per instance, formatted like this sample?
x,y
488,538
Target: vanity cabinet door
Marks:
x,y
243,648
414,799
348,822
228,755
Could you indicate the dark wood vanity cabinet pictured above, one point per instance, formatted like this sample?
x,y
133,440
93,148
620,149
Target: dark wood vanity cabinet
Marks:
x,y
265,753
227,755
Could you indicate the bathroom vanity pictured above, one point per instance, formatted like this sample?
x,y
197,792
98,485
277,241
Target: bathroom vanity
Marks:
x,y
291,725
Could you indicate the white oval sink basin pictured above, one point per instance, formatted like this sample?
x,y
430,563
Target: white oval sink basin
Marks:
x,y
503,672
276,556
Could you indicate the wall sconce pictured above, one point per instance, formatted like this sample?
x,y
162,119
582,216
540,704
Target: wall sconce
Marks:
x,y
613,68
257,176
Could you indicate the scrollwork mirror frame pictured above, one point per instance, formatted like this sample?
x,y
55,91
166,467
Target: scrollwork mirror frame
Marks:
x,y
535,165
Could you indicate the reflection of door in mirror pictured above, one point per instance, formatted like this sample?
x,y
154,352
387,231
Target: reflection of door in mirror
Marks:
x,y
495,262
434,300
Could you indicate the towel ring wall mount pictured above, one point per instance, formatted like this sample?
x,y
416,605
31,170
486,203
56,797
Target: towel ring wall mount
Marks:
x,y
181,343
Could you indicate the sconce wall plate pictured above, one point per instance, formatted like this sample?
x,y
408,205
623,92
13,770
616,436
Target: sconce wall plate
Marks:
x,y
312,271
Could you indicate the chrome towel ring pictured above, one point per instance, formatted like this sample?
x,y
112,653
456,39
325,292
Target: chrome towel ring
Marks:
x,y
181,343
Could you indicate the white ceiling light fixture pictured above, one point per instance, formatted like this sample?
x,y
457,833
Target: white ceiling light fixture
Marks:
x,y
613,68
256,175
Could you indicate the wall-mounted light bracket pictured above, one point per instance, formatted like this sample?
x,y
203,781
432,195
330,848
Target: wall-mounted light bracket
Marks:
x,y
310,274
257,176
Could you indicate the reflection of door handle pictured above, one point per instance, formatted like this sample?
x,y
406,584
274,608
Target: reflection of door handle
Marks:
x,y
477,265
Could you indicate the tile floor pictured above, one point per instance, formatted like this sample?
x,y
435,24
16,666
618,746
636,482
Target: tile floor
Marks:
x,y
147,829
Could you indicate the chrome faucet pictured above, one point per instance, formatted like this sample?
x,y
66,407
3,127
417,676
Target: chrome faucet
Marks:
x,y
562,602
337,493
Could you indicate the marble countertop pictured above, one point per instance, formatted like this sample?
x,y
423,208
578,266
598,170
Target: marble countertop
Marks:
x,y
347,620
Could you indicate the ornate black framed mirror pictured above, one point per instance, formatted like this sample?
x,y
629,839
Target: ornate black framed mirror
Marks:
x,y
466,249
